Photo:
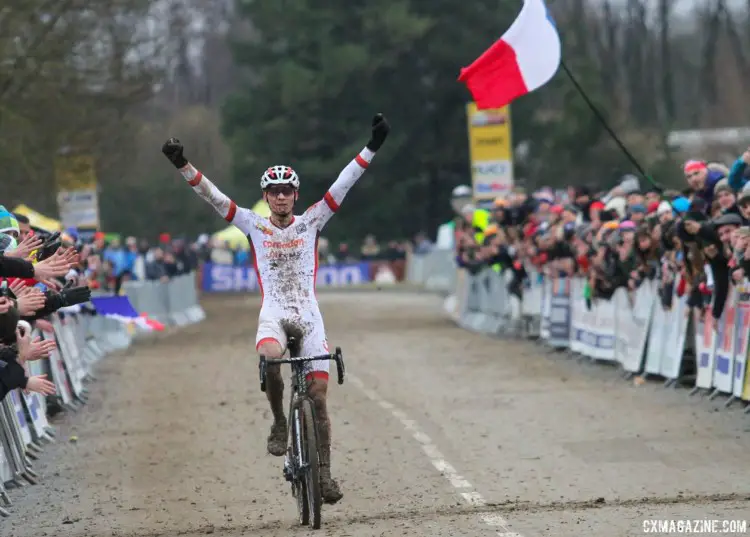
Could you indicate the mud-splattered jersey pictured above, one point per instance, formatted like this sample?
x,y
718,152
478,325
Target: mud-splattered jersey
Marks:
x,y
286,260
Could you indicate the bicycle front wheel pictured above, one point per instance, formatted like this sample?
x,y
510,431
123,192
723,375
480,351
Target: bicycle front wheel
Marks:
x,y
309,441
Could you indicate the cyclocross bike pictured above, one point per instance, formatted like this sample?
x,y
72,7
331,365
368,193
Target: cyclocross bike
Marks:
x,y
301,466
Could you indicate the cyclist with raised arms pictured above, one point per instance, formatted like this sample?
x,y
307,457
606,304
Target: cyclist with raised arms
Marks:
x,y
284,250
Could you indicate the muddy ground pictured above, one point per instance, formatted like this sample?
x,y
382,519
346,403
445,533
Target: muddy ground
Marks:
x,y
172,442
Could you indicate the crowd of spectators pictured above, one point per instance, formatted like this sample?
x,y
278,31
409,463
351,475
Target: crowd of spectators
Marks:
x,y
694,242
38,276
111,263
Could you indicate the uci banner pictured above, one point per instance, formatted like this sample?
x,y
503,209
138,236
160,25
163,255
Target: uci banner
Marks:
x,y
229,279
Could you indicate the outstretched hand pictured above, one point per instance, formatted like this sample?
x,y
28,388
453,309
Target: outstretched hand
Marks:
x,y
40,384
25,247
380,130
173,150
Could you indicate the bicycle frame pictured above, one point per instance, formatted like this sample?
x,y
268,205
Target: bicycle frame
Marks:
x,y
300,463
299,391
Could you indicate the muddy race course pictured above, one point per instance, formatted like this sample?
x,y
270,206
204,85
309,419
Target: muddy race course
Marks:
x,y
436,432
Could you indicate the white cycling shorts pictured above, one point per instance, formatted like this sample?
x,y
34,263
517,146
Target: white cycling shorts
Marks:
x,y
314,342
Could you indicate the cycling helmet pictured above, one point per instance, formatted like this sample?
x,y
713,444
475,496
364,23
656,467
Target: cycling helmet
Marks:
x,y
279,175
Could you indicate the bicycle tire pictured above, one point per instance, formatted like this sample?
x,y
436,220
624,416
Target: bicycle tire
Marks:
x,y
312,474
299,485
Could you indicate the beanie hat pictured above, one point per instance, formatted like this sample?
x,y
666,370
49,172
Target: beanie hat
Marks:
x,y
722,186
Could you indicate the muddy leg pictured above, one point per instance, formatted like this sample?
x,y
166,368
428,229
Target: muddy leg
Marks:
x,y
275,394
318,390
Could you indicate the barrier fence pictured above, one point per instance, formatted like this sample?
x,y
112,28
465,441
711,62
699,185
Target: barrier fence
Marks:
x,y
632,330
83,338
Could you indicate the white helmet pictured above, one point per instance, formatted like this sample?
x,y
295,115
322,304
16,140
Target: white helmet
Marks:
x,y
279,175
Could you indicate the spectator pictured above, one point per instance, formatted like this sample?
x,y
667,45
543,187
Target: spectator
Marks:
x,y
325,257
241,257
422,244
702,178
344,255
203,248
155,268
394,252
185,259
170,265
221,254
24,225
370,249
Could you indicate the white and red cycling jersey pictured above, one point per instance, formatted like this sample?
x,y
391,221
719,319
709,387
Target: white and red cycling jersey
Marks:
x,y
286,260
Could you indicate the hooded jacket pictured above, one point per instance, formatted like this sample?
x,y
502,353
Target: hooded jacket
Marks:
x,y
707,193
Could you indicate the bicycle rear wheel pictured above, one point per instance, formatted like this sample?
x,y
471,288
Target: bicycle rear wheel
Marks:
x,y
311,478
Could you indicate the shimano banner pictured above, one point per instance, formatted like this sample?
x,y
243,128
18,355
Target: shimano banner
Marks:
x,y
226,278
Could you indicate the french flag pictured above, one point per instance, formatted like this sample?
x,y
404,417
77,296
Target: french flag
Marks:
x,y
525,58
120,309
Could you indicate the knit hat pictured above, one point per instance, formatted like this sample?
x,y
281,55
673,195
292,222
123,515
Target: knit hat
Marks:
x,y
8,222
722,186
664,207
681,204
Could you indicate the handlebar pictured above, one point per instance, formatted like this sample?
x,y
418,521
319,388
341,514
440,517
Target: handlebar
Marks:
x,y
336,357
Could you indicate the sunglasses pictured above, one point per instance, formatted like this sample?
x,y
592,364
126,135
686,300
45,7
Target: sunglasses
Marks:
x,y
276,191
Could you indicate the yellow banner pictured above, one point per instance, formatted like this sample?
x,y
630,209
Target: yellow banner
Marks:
x,y
38,219
490,151
489,133
75,172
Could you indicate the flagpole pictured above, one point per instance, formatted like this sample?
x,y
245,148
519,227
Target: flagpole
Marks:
x,y
606,126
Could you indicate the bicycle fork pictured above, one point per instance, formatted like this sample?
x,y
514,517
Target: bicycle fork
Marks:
x,y
293,468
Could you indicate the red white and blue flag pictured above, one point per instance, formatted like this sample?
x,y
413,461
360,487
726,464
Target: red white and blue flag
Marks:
x,y
525,58
120,309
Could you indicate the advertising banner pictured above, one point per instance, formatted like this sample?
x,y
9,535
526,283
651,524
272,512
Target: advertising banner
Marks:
x,y
490,152
230,279
77,200
78,208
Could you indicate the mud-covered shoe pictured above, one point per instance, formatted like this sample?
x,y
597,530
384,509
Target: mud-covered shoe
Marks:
x,y
277,439
329,489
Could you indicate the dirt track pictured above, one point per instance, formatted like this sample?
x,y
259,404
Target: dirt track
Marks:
x,y
173,439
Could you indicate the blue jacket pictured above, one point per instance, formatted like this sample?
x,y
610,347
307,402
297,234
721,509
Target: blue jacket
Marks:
x,y
737,177
707,193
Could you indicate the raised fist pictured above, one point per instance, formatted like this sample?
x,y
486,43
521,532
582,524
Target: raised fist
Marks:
x,y
173,149
380,129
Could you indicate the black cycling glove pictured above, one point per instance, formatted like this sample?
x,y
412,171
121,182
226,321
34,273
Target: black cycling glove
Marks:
x,y
49,247
380,129
173,149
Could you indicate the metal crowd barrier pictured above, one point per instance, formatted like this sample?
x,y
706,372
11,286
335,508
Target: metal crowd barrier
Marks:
x,y
436,271
83,339
173,303
634,330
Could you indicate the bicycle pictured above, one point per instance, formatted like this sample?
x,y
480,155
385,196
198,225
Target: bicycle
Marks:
x,y
301,466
